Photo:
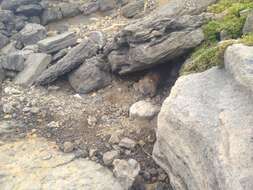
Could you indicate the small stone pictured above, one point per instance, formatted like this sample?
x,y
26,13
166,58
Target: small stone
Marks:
x,y
126,171
53,124
35,110
81,153
10,90
92,120
108,157
153,172
127,143
53,88
93,152
143,110
68,147
8,108
114,139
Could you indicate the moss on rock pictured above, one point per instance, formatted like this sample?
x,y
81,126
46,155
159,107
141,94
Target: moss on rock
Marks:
x,y
211,52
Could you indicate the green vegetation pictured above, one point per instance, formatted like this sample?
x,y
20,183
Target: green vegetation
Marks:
x,y
211,52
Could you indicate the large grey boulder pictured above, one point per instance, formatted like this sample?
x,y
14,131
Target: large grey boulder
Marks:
x,y
32,33
248,26
164,35
239,62
35,64
58,42
204,135
74,58
91,75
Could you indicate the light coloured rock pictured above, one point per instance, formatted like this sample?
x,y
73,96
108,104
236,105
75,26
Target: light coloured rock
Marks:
x,y
58,42
35,163
35,64
126,171
32,33
109,156
239,62
204,135
143,110
127,143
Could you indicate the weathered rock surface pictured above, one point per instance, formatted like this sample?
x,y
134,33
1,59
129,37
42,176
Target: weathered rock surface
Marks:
x,y
126,171
143,110
132,9
75,57
92,75
239,62
204,137
14,62
248,26
29,10
162,36
58,42
14,4
106,5
89,7
51,14
3,40
32,33
69,9
35,64
48,168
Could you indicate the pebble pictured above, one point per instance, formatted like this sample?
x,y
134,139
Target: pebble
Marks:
x,y
127,143
143,110
109,156
114,139
81,153
68,147
93,152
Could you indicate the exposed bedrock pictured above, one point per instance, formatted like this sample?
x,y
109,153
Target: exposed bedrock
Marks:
x,y
168,33
205,127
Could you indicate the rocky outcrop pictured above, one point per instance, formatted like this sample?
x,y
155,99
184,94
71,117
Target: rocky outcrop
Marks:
x,y
204,137
58,42
166,34
75,57
35,64
92,75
